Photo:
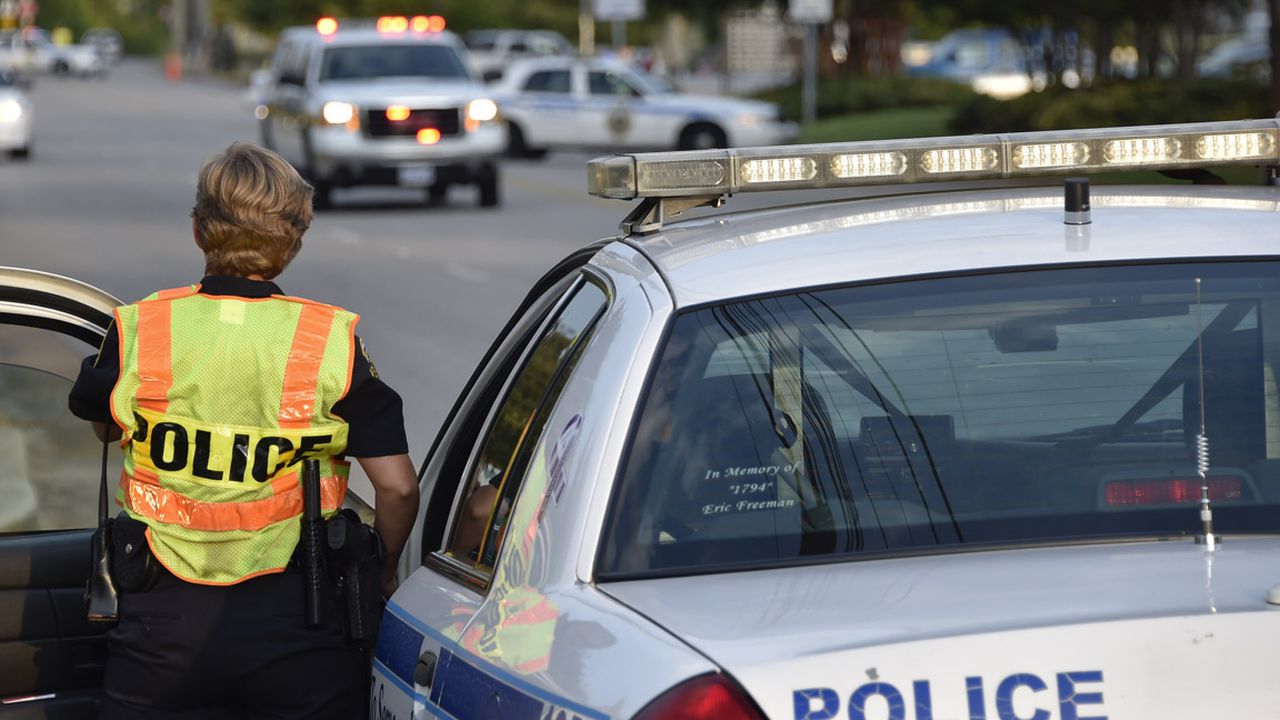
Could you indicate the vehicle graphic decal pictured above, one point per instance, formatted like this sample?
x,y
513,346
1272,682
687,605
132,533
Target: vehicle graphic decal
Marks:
x,y
1078,696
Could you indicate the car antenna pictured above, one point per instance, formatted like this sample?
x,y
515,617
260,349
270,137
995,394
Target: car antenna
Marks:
x,y
1207,537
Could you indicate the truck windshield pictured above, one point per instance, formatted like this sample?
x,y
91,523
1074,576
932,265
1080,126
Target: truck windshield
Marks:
x,y
1028,407
370,62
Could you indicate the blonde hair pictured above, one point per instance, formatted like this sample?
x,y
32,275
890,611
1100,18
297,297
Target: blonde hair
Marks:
x,y
251,210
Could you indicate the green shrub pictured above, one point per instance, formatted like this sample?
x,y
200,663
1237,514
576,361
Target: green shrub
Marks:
x,y
844,95
1116,103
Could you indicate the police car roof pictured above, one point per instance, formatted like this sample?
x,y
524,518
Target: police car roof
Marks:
x,y
767,251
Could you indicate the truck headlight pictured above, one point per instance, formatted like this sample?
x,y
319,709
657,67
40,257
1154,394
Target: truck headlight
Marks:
x,y
338,113
10,111
482,110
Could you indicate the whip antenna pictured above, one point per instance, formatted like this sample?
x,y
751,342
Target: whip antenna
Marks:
x,y
1206,537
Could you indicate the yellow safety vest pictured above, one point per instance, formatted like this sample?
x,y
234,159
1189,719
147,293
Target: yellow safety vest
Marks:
x,y
220,399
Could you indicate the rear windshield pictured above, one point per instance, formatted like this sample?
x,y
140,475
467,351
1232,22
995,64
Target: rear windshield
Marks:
x,y
1015,408
378,61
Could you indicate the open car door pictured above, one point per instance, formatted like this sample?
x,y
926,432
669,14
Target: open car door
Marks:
x,y
51,657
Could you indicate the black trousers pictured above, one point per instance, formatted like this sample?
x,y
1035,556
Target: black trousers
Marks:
x,y
199,652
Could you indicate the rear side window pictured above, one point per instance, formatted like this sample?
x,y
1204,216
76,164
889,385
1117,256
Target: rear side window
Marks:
x,y
498,469
603,83
552,81
1022,407
481,40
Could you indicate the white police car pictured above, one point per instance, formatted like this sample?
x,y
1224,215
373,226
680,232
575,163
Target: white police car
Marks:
x,y
384,102
31,51
567,103
917,457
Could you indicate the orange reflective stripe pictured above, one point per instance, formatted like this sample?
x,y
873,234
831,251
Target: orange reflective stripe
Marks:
x,y
177,292
145,496
155,355
302,372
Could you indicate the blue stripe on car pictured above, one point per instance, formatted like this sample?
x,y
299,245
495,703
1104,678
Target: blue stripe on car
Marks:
x,y
399,646
473,691
457,665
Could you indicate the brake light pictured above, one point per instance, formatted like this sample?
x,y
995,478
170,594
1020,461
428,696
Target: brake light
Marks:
x,y
326,26
709,697
398,113
1165,491
428,136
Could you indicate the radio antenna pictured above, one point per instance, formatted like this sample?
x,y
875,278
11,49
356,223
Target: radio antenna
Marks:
x,y
1206,537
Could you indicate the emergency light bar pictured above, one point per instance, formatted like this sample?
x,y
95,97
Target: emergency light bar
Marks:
x,y
386,24
710,173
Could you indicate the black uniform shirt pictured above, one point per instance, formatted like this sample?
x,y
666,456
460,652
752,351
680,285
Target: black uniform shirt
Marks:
x,y
373,411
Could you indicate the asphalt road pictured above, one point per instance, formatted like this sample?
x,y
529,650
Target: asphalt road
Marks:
x,y
107,194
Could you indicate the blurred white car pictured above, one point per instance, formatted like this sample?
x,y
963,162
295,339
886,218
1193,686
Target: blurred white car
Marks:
x,y
562,103
108,42
15,119
31,51
1248,55
391,102
493,50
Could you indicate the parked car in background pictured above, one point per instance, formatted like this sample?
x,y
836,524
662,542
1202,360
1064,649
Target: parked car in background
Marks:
x,y
992,62
565,103
493,50
16,130
30,50
108,41
1247,55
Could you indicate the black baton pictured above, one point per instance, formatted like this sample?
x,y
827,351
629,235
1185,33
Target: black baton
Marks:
x,y
312,543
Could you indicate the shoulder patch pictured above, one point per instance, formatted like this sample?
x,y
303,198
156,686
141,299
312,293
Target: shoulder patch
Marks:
x,y
373,369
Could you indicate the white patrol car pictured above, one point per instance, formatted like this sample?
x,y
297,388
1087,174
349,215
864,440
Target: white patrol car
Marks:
x,y
986,454
564,103
31,51
385,102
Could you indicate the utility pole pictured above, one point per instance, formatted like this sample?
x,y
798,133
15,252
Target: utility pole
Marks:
x,y
810,93
812,13
586,29
619,34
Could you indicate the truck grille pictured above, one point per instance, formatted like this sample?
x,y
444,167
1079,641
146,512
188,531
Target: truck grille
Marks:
x,y
446,120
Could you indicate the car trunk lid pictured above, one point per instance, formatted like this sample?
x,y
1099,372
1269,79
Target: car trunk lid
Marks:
x,y
1138,630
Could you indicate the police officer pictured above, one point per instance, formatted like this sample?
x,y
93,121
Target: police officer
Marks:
x,y
219,391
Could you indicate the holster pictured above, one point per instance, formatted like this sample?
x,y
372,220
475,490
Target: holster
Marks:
x,y
100,599
355,555
133,566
